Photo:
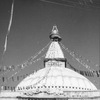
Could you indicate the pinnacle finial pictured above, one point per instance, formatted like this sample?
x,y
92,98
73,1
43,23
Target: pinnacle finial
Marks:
x,y
55,34
55,29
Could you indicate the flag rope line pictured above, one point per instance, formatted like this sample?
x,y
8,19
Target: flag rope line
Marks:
x,y
21,69
77,59
28,62
82,4
32,58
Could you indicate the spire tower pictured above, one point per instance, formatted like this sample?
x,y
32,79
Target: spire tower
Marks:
x,y
54,55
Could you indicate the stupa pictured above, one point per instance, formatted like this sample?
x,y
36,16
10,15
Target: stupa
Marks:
x,y
55,78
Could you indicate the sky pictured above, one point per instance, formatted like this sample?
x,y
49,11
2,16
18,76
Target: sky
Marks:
x,y
32,23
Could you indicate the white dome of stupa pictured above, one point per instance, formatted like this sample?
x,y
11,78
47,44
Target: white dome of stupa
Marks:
x,y
55,77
